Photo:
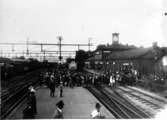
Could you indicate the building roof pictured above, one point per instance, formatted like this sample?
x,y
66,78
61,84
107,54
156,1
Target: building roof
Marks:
x,y
19,60
115,47
155,54
142,53
95,57
129,54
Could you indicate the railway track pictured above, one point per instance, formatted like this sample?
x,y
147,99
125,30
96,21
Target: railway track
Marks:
x,y
13,85
152,97
117,105
108,103
133,109
15,95
144,99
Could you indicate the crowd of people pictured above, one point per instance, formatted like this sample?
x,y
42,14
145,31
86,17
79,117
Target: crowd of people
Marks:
x,y
59,77
64,77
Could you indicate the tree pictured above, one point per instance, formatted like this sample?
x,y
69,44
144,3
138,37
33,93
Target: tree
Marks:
x,y
80,59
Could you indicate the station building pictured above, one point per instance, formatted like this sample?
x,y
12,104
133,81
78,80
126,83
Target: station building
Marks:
x,y
110,58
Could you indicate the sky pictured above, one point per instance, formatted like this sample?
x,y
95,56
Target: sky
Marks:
x,y
139,22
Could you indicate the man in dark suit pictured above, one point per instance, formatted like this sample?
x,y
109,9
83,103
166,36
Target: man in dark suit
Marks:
x,y
52,85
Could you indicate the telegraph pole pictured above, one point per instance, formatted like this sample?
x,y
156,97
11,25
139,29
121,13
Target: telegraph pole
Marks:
x,y
13,49
1,53
41,47
43,55
78,47
27,46
60,39
89,43
27,51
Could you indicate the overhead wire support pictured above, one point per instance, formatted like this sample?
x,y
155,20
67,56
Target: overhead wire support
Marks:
x,y
89,44
45,44
27,46
60,39
41,47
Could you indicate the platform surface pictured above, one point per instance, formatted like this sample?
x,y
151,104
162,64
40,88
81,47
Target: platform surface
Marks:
x,y
79,104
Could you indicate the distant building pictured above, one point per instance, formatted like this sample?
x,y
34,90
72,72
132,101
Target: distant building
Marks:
x,y
112,57
99,58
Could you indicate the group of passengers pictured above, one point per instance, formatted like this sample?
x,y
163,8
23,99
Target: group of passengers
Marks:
x,y
63,78
67,78
114,79
106,79
111,79
55,77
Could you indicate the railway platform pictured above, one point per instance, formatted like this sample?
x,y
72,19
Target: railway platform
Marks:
x,y
79,103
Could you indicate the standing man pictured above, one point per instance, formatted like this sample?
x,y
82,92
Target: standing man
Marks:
x,y
61,88
47,79
117,78
32,100
111,81
52,85
40,78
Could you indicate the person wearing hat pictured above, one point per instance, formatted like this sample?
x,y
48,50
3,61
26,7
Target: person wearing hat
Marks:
x,y
32,99
28,112
31,89
59,110
96,113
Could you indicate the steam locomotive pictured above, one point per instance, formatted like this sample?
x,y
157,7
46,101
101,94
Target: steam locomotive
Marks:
x,y
128,76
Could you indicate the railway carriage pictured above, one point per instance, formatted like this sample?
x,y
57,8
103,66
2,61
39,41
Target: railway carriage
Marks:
x,y
15,67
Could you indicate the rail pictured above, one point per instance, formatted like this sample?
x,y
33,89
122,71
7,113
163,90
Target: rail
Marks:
x,y
15,98
155,98
126,105
151,84
117,105
112,107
